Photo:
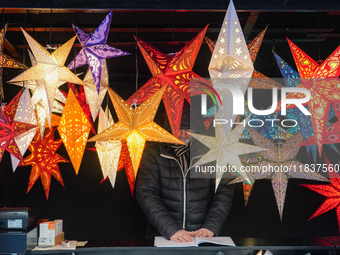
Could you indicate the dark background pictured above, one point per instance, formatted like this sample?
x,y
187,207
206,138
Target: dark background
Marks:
x,y
93,211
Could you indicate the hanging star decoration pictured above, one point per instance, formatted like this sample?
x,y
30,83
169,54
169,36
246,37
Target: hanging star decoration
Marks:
x,y
230,64
331,136
124,163
95,49
324,92
279,164
136,126
330,191
292,79
259,81
108,151
93,99
6,61
225,149
175,71
24,114
50,70
14,128
80,95
44,161
74,129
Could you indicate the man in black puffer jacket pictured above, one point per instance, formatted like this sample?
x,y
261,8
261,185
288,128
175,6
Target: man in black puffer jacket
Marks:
x,y
176,205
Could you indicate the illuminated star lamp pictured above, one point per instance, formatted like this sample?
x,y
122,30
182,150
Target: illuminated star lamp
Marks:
x,y
280,164
136,126
24,114
49,68
74,129
292,79
95,49
324,92
40,99
80,95
93,99
175,71
16,129
230,63
260,80
44,161
330,191
124,163
225,149
108,151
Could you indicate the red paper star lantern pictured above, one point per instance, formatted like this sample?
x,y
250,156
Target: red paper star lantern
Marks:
x,y
324,92
331,191
44,160
9,129
175,71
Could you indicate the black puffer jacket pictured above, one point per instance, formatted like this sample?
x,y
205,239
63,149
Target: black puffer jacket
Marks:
x,y
173,201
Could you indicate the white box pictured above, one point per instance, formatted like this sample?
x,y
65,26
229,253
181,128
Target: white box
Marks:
x,y
51,240
50,229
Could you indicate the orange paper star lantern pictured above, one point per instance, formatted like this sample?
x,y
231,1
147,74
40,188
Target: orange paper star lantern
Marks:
x,y
74,129
136,126
44,161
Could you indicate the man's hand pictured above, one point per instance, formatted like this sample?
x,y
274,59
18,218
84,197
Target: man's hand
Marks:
x,y
182,236
203,232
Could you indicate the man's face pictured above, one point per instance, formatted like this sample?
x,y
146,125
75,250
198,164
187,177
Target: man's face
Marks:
x,y
184,135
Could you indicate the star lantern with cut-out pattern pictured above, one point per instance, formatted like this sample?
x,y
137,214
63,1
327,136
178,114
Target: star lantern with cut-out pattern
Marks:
x,y
44,161
175,71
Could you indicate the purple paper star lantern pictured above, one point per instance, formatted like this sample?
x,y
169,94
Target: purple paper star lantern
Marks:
x,y
95,49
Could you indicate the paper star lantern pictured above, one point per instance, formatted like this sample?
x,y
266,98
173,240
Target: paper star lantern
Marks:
x,y
331,136
40,99
95,49
108,151
175,71
15,128
279,164
230,63
324,92
260,80
136,126
330,191
74,129
225,150
44,161
24,114
93,99
49,68
126,163
80,95
292,79
6,61
231,58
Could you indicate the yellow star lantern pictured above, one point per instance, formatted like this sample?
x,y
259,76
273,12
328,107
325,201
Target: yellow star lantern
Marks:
x,y
136,126
74,129
49,68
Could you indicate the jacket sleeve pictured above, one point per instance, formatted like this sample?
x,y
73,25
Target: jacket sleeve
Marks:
x,y
220,207
148,196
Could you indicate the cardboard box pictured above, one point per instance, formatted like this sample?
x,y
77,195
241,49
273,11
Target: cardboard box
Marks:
x,y
50,229
51,240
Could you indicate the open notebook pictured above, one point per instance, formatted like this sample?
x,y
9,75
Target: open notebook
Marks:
x,y
220,240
